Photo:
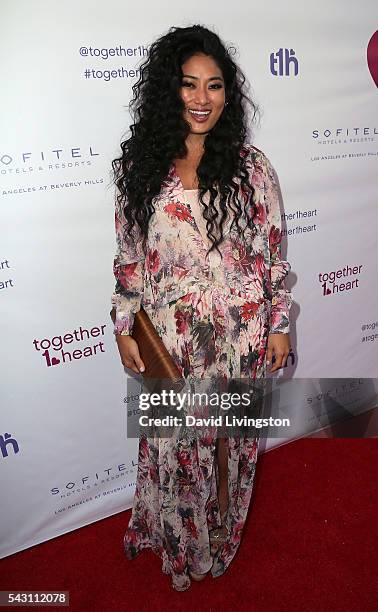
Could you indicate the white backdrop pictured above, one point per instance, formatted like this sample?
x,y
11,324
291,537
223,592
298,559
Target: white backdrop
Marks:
x,y
65,460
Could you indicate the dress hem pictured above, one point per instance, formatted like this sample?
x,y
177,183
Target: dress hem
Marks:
x,y
132,551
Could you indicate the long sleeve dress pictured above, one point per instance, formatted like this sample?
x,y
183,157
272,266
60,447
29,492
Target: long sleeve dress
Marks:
x,y
214,315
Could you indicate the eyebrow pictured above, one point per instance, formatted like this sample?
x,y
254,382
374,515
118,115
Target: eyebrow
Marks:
x,y
213,78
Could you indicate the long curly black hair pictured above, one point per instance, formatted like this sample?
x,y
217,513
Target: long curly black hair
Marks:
x,y
159,132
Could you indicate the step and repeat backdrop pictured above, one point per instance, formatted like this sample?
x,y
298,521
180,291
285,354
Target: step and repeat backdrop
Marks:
x,y
67,71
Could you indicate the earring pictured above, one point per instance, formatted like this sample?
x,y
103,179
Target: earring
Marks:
x,y
225,103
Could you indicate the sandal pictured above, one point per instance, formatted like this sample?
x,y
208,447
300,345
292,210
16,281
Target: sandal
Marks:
x,y
218,536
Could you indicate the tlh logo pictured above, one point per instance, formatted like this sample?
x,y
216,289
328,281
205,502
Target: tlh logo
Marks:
x,y
4,441
280,62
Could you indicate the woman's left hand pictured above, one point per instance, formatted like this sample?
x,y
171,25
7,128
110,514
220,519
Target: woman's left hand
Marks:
x,y
279,344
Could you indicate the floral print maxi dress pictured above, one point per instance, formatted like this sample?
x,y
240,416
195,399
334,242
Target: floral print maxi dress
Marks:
x,y
214,319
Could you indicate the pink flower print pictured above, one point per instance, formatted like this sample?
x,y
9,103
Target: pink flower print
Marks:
x,y
260,215
143,449
179,273
259,266
183,458
192,527
237,258
125,274
153,473
187,298
249,310
238,529
178,210
179,564
274,239
182,321
153,261
258,178
219,324
131,537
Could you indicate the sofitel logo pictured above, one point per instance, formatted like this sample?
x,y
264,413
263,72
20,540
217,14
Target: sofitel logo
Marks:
x,y
62,355
349,276
344,132
6,440
54,158
86,482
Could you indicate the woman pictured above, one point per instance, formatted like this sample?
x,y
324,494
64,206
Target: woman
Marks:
x,y
198,234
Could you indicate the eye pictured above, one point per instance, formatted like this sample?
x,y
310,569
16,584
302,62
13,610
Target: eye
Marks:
x,y
187,84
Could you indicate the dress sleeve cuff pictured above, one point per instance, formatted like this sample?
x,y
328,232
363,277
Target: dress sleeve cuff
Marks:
x,y
125,311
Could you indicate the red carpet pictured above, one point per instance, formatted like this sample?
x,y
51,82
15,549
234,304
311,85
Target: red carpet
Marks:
x,y
310,543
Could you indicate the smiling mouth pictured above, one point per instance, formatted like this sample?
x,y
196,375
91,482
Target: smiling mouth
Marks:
x,y
199,115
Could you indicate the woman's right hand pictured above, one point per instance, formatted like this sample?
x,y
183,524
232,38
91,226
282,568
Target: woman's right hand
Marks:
x,y
129,352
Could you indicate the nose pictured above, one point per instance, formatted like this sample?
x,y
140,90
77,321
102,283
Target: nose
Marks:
x,y
201,95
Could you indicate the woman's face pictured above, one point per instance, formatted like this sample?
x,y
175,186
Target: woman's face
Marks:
x,y
203,93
